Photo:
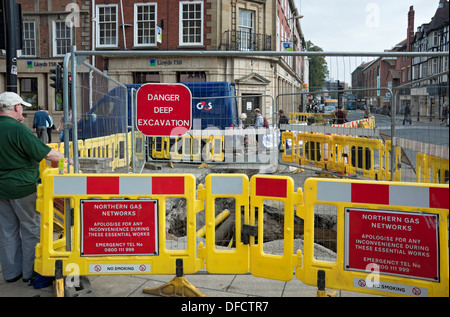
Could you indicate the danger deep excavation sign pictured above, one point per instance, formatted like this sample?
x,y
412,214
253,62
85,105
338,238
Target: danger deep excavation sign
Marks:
x,y
163,109
399,243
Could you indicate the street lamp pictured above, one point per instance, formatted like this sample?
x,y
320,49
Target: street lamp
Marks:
x,y
297,17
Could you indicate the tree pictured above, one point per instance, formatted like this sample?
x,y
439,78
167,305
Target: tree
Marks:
x,y
318,68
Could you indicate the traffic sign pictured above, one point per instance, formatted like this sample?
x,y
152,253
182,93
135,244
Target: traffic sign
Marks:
x,y
163,109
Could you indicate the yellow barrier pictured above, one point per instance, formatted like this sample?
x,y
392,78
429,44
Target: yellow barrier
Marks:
x,y
392,238
134,240
361,155
160,147
293,154
186,148
316,149
431,169
299,117
278,188
180,148
219,186
344,154
216,147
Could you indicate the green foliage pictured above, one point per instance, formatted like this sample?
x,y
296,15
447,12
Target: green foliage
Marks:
x,y
318,68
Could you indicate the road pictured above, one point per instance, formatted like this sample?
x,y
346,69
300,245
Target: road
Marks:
x,y
419,131
422,131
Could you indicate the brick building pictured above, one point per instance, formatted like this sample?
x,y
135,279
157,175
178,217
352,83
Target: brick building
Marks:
x,y
167,25
46,39
430,96
390,72
426,98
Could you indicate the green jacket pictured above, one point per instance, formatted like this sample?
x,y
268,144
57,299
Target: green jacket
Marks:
x,y
20,154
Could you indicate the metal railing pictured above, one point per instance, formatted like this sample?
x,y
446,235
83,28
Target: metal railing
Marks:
x,y
246,41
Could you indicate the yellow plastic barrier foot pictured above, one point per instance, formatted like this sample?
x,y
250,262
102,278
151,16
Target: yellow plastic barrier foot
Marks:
x,y
177,287
321,290
58,284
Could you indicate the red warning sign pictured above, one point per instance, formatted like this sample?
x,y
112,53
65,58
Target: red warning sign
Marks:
x,y
119,227
163,109
399,243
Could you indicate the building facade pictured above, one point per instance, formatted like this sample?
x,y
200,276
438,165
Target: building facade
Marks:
x,y
46,39
426,98
165,25
430,96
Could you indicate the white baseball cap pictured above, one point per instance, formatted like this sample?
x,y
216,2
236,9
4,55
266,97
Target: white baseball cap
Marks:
x,y
9,99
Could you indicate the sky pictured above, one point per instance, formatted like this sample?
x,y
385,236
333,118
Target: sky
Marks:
x,y
359,26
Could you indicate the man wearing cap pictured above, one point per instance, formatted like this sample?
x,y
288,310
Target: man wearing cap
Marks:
x,y
20,154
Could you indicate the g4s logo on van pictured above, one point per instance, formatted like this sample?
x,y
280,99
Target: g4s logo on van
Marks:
x,y
202,105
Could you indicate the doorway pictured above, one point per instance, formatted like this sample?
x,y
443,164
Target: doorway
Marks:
x,y
249,104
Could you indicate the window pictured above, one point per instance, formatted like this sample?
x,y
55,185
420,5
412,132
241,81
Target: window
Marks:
x,y
435,38
62,38
191,23
246,19
107,26
434,66
445,64
29,91
146,77
191,77
29,39
145,24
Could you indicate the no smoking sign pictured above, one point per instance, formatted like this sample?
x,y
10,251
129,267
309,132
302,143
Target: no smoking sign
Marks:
x,y
163,109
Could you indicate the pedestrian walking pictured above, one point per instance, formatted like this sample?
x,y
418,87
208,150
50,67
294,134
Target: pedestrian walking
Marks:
x,y
259,123
366,112
445,115
61,125
20,155
407,117
282,120
40,122
341,116
50,128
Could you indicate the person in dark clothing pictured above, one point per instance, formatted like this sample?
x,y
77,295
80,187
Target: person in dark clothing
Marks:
x,y
20,155
407,115
40,121
282,120
341,116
